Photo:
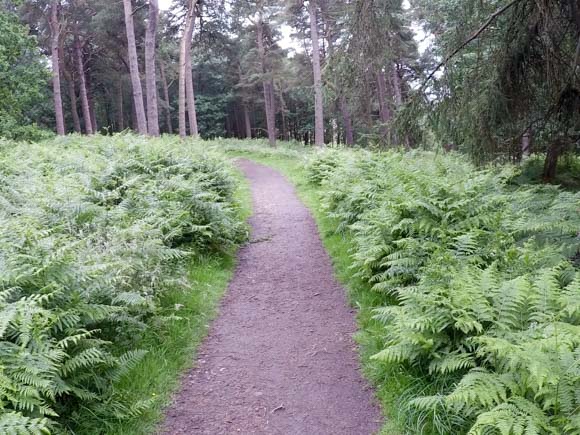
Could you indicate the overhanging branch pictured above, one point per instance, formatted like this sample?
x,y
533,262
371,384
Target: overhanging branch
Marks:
x,y
472,38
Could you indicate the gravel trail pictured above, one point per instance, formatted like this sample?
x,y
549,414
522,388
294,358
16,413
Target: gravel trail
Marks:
x,y
280,358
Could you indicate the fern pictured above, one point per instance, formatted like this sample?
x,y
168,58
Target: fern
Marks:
x,y
93,232
485,284
13,423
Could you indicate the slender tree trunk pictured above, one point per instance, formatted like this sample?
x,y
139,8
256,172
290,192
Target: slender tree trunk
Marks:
x,y
527,144
347,121
166,98
54,39
150,75
185,70
318,98
71,87
91,104
83,86
133,114
73,105
190,97
134,69
266,85
384,110
120,104
397,86
283,109
270,120
273,108
284,125
247,122
551,163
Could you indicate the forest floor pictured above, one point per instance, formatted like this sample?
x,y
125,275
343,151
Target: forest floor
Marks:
x,y
280,358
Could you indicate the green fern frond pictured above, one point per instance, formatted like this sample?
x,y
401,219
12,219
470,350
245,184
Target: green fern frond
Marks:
x,y
12,423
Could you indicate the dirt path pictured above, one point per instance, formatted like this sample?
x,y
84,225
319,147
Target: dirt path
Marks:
x,y
280,358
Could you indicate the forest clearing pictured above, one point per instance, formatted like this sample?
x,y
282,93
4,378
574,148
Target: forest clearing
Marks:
x,y
298,217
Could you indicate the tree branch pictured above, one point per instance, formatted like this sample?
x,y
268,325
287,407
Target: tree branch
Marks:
x,y
472,38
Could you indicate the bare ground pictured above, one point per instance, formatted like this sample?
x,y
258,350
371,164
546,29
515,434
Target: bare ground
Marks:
x,y
280,358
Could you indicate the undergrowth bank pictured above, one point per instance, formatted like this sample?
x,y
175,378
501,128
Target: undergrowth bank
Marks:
x,y
93,233
480,288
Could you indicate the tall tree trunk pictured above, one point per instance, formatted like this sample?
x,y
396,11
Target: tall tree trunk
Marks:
x,y
283,109
190,97
318,98
266,85
527,144
133,114
273,109
551,163
83,86
120,104
247,122
134,69
270,118
167,107
347,121
384,109
73,105
71,87
91,103
185,70
150,75
397,86
54,39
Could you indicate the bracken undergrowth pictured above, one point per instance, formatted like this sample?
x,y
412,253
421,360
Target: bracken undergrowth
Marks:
x,y
93,233
480,278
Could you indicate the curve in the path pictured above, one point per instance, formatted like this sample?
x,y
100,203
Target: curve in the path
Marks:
x,y
280,358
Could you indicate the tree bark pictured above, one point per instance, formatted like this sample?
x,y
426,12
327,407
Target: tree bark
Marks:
x,y
54,39
73,105
134,69
266,85
184,71
551,162
166,98
347,121
283,109
247,122
69,77
190,97
91,103
120,104
526,144
397,86
385,114
150,74
133,114
318,97
396,80
83,86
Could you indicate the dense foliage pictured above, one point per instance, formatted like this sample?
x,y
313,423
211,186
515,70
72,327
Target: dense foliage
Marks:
x,y
92,234
23,79
480,285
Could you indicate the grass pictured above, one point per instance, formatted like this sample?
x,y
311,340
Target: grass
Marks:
x,y
389,385
172,348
